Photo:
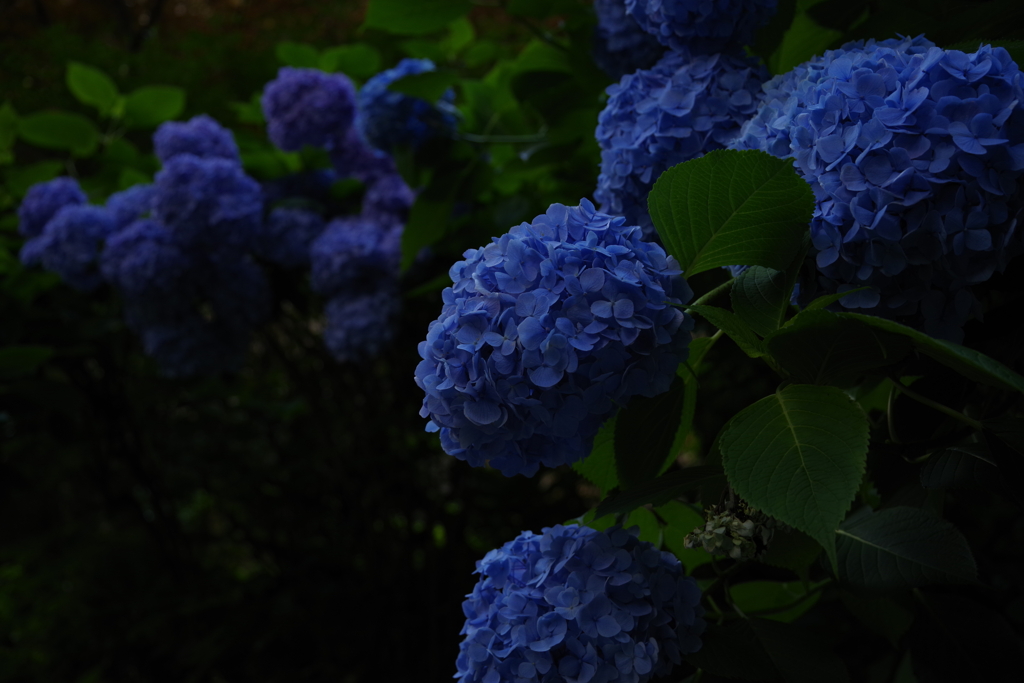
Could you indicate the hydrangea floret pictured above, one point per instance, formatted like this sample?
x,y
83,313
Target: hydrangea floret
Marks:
x,y
916,157
353,253
545,333
576,605
702,26
358,325
679,110
308,107
200,136
389,119
620,45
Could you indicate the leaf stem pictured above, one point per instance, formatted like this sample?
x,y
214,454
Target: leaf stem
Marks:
x,y
714,292
946,410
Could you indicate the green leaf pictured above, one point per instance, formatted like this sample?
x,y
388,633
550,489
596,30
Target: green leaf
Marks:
x,y
760,297
19,361
793,550
959,466
680,520
60,130
299,55
781,600
8,128
20,178
428,222
902,547
598,467
968,362
541,56
91,86
732,325
357,60
661,490
405,18
460,35
644,432
429,86
151,105
825,301
819,347
732,208
800,655
799,456
883,616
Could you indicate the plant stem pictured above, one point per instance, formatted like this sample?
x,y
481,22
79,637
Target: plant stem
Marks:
x,y
714,292
956,415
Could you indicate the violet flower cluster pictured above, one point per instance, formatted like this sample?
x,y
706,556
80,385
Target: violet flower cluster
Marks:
x,y
576,605
702,26
684,107
545,333
620,45
916,156
390,119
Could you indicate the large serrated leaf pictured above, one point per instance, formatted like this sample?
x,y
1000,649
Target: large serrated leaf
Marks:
x,y
799,456
760,297
405,18
732,208
732,325
902,547
819,347
661,490
644,433
968,362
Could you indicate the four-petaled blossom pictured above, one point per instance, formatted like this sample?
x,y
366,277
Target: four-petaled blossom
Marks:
x,y
544,333
576,605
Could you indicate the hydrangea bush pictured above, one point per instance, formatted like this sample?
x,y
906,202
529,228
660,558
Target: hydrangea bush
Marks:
x,y
390,119
915,155
577,605
620,45
544,332
701,26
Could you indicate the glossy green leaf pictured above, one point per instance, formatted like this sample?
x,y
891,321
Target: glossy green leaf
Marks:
x,y
902,547
732,325
91,86
644,432
599,467
60,130
404,18
819,347
151,105
661,490
799,456
732,208
357,60
298,55
429,86
968,362
760,297
827,300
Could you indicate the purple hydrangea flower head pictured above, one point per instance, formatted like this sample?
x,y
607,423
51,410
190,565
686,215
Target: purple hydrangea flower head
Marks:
x,y
208,202
575,605
189,345
127,206
352,253
620,45
200,136
702,26
353,157
71,243
916,158
308,107
358,325
145,262
387,200
286,235
681,109
44,200
546,331
389,119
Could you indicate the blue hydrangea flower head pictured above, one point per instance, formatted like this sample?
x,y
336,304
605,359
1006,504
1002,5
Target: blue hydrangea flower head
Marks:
x,y
307,107
358,325
286,235
575,605
44,200
353,157
200,136
916,158
679,110
129,205
544,333
389,119
71,243
387,200
145,263
620,45
352,253
702,26
207,202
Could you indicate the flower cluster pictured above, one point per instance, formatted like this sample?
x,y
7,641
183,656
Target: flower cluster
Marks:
x,y
390,119
916,156
702,26
202,137
681,109
308,107
545,332
576,605
620,45
736,531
